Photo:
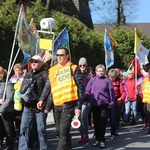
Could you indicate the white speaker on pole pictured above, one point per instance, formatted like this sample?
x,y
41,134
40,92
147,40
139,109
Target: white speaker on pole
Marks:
x,y
47,23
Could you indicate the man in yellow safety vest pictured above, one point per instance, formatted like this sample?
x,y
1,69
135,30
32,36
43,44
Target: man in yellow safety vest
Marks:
x,y
67,92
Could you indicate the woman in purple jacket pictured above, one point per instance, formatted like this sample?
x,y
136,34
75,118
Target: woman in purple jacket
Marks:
x,y
100,93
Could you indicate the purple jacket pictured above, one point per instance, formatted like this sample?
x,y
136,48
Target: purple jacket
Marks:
x,y
100,91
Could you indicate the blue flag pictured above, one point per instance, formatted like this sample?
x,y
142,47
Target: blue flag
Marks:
x,y
62,40
109,56
25,59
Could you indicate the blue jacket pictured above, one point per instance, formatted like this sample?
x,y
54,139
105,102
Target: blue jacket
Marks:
x,y
100,91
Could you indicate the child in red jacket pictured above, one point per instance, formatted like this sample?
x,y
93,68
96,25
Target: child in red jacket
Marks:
x,y
132,100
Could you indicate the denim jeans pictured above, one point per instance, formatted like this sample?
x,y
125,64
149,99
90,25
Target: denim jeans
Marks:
x,y
127,110
29,115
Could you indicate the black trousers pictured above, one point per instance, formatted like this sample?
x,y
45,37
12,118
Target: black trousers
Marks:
x,y
143,111
63,118
2,130
8,121
100,115
147,110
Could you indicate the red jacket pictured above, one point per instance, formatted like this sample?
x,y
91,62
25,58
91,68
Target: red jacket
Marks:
x,y
131,86
119,89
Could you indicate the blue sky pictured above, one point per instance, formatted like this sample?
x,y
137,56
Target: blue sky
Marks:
x,y
142,14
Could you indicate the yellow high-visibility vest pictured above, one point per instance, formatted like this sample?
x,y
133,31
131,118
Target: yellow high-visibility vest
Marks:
x,y
146,91
63,86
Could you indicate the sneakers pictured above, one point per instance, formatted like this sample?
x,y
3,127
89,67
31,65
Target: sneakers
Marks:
x,y
148,132
124,123
84,140
102,144
112,137
96,144
81,140
117,132
144,125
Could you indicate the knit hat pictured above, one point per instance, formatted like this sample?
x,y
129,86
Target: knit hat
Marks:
x,y
83,61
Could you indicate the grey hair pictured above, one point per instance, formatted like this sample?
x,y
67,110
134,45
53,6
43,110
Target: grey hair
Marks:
x,y
99,66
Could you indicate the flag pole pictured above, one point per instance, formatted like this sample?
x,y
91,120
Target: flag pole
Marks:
x,y
12,50
130,66
14,60
105,53
136,74
135,50
52,60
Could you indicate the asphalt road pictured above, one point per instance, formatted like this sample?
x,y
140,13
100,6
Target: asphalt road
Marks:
x,y
130,138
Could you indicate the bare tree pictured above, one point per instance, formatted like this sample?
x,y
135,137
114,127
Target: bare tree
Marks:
x,y
115,11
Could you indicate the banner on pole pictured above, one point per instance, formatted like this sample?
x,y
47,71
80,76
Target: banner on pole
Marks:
x,y
26,40
62,40
140,51
109,56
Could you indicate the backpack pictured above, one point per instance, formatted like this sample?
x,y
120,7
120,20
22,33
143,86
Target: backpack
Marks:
x,y
94,77
27,93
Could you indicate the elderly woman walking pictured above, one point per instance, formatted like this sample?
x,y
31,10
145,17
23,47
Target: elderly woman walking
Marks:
x,y
100,92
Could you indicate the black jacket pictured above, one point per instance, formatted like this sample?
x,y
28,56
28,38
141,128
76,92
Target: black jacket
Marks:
x,y
40,77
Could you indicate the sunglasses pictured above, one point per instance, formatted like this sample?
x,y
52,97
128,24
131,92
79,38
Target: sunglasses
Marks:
x,y
60,55
34,61
82,65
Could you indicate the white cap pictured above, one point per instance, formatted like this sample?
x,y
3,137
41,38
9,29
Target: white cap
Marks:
x,y
37,57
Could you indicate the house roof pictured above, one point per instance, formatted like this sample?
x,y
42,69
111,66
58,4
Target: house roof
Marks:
x,y
144,28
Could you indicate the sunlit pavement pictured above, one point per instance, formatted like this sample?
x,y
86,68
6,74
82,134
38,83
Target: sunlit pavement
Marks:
x,y
130,138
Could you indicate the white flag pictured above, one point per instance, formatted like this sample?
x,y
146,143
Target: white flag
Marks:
x,y
142,54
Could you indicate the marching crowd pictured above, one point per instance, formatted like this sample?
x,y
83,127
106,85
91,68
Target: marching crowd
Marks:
x,y
68,90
